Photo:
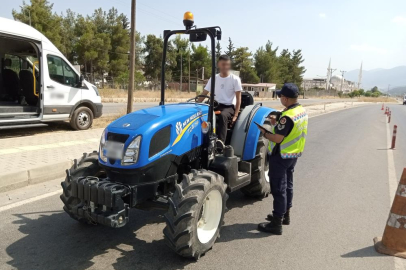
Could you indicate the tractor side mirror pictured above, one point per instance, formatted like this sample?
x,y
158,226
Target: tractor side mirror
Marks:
x,y
197,37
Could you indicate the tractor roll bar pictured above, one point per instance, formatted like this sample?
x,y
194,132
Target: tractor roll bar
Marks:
x,y
212,35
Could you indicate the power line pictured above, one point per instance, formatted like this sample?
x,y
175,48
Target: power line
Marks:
x,y
156,16
167,14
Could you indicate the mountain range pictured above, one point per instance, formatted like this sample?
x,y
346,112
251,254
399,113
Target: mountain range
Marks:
x,y
380,77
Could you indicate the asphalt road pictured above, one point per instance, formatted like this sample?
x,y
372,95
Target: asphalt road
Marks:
x,y
341,202
115,108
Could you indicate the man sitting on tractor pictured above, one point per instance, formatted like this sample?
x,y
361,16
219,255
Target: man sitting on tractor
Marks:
x,y
227,94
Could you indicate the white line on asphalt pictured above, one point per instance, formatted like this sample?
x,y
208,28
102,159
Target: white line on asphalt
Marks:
x,y
40,197
393,184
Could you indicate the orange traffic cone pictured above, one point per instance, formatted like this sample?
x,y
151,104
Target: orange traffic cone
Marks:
x,y
382,106
393,241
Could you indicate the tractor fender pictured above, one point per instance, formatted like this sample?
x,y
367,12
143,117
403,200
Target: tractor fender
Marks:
x,y
245,133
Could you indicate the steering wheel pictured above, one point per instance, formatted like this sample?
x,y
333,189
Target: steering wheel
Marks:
x,y
195,99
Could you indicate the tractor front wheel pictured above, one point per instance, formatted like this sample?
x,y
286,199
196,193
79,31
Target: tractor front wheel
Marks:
x,y
196,213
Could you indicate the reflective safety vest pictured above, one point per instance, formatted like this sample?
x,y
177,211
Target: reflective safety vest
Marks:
x,y
293,145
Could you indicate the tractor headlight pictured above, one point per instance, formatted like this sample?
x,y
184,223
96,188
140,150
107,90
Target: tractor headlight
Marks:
x,y
102,144
132,152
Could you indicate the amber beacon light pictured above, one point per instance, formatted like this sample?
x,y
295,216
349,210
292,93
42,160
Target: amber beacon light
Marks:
x,y
188,20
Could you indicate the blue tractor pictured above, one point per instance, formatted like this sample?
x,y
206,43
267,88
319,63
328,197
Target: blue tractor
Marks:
x,y
168,156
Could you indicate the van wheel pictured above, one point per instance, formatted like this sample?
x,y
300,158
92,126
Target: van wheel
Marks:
x,y
82,118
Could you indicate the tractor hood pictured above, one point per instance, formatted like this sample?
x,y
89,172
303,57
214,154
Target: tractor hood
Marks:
x,y
176,126
155,116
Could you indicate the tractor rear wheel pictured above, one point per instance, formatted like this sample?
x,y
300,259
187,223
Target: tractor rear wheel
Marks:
x,y
259,186
88,165
196,213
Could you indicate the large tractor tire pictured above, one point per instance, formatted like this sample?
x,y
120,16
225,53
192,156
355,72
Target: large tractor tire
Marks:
x,y
196,213
259,186
88,165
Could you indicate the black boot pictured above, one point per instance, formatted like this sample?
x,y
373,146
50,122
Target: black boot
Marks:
x,y
285,220
274,227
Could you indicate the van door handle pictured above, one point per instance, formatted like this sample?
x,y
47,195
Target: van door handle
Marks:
x,y
50,87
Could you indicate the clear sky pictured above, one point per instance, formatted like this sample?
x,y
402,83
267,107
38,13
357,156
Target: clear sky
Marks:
x,y
348,31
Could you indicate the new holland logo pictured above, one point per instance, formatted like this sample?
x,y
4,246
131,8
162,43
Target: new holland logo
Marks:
x,y
178,128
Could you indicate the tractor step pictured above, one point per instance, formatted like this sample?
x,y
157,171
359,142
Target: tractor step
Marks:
x,y
243,177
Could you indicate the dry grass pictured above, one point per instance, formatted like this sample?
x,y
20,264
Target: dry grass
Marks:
x,y
119,93
320,97
377,99
104,121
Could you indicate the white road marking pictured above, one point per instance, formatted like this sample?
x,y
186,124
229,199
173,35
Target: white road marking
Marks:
x,y
393,185
37,198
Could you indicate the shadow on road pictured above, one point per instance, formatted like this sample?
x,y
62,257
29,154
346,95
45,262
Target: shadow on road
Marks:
x,y
363,252
57,242
52,240
22,132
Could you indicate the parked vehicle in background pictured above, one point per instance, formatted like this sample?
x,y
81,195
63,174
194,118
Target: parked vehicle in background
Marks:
x,y
404,100
38,84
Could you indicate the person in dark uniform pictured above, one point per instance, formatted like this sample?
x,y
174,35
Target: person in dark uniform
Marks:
x,y
286,144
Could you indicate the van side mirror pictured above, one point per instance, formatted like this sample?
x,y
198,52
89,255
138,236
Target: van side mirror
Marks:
x,y
81,79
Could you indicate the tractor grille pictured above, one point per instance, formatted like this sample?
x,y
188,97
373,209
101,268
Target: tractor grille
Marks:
x,y
115,137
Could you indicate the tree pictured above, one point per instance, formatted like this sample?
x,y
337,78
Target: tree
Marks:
x,y
85,47
230,49
120,43
181,54
153,48
266,63
42,19
368,93
68,37
218,50
285,67
243,63
200,58
361,92
296,67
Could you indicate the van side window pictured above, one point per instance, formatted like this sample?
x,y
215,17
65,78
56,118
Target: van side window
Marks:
x,y
14,63
61,72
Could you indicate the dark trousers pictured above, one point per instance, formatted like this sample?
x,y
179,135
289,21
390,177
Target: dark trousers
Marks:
x,y
223,119
281,180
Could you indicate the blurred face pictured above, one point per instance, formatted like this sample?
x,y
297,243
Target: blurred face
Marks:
x,y
284,100
224,66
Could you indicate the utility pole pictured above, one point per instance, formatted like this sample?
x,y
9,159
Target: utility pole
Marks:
x,y
181,70
342,79
197,78
203,74
189,72
360,77
329,75
132,59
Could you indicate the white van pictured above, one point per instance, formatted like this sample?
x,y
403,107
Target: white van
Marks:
x,y
38,84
